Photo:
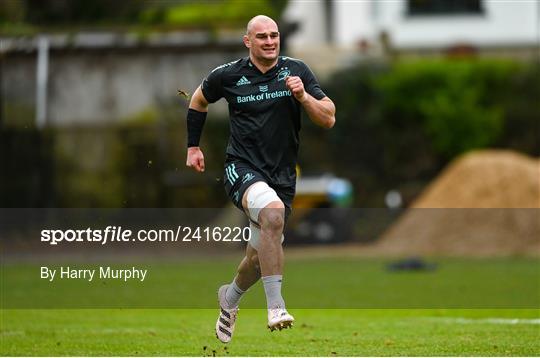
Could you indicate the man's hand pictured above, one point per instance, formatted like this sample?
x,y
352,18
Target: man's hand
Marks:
x,y
322,111
295,84
195,159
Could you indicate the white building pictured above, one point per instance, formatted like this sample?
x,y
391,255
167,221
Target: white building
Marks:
x,y
347,27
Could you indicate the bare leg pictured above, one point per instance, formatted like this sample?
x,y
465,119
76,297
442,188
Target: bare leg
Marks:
x,y
270,253
249,271
270,257
271,219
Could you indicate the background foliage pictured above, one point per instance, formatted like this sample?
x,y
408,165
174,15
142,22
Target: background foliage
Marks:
x,y
28,16
397,126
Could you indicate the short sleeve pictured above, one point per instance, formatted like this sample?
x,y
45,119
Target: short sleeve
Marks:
x,y
311,85
212,87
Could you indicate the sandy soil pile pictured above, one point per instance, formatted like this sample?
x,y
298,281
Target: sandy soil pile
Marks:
x,y
485,203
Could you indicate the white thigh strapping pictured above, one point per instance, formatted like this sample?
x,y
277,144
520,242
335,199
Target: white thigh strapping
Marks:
x,y
258,197
256,236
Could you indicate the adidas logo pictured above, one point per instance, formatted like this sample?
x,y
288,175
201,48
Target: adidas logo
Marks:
x,y
247,177
243,81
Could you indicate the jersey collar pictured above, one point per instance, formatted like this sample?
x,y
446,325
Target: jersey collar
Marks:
x,y
249,64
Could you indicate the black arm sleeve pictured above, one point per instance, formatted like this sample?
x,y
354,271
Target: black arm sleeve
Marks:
x,y
195,124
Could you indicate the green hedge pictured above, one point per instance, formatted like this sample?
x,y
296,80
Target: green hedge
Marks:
x,y
459,105
213,14
399,124
32,16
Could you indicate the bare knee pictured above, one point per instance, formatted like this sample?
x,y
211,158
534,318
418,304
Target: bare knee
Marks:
x,y
272,217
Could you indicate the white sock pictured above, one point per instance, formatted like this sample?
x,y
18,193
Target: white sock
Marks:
x,y
272,288
233,294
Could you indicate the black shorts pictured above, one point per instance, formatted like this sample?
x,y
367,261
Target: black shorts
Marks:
x,y
239,176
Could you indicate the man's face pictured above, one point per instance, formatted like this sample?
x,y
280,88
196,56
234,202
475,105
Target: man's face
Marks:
x,y
263,41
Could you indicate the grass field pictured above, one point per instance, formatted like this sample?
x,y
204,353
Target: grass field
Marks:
x,y
309,283
342,306
318,332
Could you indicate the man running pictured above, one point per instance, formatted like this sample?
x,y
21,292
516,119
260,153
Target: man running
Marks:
x,y
265,93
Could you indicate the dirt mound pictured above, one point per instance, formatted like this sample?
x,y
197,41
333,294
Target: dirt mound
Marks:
x,y
486,179
484,203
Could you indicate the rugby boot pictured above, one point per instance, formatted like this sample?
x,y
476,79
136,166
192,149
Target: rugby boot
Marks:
x,y
279,318
227,317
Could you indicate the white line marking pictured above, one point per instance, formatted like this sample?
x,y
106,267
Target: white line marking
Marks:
x,y
462,320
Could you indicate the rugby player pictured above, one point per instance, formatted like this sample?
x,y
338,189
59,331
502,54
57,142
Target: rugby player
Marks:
x,y
265,93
